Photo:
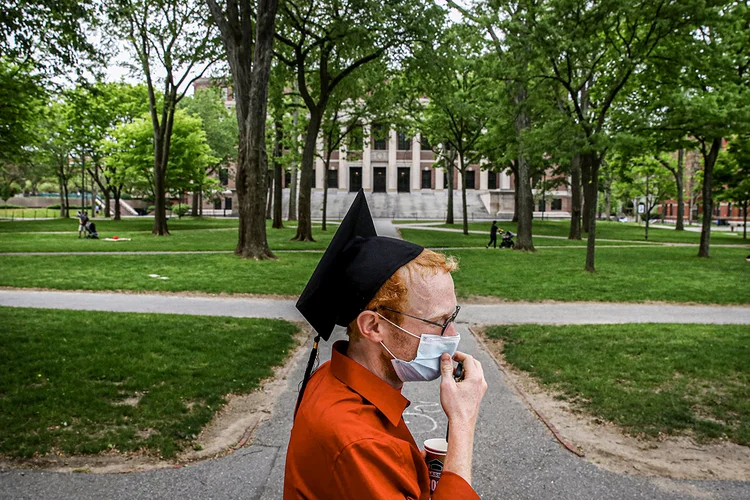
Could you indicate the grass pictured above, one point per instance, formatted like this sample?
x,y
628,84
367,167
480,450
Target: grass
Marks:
x,y
670,274
649,379
28,213
438,239
624,274
614,231
186,235
87,382
212,273
127,224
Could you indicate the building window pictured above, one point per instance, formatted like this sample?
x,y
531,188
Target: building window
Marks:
x,y
356,139
557,204
542,206
380,135
427,179
491,180
333,179
404,142
227,203
288,178
470,179
425,143
217,204
224,176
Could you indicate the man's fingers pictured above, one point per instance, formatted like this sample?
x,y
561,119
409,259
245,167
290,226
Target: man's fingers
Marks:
x,y
461,356
446,366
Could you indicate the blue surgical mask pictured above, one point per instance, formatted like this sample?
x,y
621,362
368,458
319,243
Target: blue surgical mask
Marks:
x,y
426,365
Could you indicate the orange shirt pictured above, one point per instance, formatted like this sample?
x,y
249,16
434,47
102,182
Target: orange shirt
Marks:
x,y
350,440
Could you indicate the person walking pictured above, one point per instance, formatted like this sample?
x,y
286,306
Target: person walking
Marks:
x,y
493,235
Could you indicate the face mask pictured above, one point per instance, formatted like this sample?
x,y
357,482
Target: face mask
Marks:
x,y
426,366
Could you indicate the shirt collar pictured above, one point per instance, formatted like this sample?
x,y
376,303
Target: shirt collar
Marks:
x,y
386,399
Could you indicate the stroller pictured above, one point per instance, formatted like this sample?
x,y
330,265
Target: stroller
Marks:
x,y
507,241
91,231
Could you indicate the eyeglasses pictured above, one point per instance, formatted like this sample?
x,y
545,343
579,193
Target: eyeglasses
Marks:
x,y
443,326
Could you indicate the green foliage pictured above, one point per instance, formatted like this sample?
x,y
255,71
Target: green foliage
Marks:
x,y
22,96
181,209
218,122
131,154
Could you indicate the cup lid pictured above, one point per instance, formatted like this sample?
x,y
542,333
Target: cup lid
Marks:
x,y
436,445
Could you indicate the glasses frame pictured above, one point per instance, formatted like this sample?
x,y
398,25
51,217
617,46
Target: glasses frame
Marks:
x,y
443,326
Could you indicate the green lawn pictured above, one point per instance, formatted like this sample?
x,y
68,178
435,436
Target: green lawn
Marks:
x,y
445,239
186,235
86,382
671,274
109,225
647,378
613,230
211,273
28,213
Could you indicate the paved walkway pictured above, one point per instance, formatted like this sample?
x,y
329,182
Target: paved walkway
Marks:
x,y
515,456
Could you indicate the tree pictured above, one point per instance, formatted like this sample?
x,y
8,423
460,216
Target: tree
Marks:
x,y
457,108
247,32
50,34
643,177
55,148
22,97
173,37
131,150
325,42
733,176
220,126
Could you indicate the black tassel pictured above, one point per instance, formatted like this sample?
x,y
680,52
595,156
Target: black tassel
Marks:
x,y
308,372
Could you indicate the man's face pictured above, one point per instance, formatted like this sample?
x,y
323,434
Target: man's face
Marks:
x,y
432,298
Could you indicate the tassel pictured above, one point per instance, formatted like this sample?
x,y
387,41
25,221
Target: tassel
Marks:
x,y
308,372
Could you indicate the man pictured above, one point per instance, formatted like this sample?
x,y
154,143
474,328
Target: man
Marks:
x,y
82,220
398,303
493,235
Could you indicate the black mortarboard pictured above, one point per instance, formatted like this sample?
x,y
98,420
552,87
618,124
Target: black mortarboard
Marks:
x,y
352,270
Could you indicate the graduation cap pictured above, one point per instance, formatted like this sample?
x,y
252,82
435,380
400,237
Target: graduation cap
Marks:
x,y
352,270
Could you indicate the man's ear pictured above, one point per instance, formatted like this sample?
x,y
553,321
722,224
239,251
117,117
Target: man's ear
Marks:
x,y
370,326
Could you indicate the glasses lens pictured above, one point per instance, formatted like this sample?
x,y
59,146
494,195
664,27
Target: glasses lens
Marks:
x,y
450,320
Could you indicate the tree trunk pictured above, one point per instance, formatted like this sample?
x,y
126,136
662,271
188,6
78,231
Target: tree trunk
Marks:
x,y
269,195
293,177
326,166
463,193
515,192
744,221
709,160
118,210
160,198
522,123
194,209
449,177
253,241
679,173
107,201
277,176
63,195
304,226
590,176
648,209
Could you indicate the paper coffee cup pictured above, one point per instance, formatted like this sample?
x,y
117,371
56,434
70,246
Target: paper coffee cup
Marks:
x,y
436,449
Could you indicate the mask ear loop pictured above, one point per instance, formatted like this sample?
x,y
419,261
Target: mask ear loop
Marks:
x,y
394,324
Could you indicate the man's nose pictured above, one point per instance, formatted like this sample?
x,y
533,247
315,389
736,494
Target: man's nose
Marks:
x,y
451,331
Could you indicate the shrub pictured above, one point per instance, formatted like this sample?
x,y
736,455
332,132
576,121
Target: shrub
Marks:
x,y
8,205
181,209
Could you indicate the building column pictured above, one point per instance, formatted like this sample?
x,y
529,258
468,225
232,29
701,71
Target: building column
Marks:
x,y
504,180
416,171
320,166
391,174
343,169
483,176
366,160
439,179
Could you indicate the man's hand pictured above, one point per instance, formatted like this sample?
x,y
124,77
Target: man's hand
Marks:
x,y
460,401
